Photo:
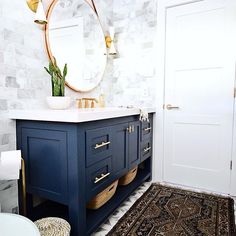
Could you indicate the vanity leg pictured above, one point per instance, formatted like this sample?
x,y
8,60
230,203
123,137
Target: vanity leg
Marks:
x,y
77,219
76,184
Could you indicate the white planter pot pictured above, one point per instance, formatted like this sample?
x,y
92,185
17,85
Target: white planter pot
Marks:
x,y
58,103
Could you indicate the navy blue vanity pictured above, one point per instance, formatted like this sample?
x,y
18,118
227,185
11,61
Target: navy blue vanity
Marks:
x,y
68,163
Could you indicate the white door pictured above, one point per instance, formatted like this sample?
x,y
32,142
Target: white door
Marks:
x,y
199,84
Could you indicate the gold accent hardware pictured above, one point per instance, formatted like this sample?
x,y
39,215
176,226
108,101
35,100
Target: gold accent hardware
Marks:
x,y
101,101
129,129
170,107
37,7
147,129
80,104
132,128
92,104
23,186
88,102
33,4
147,149
101,145
98,179
108,41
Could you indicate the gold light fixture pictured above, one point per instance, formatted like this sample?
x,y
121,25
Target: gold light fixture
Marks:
x,y
110,42
37,7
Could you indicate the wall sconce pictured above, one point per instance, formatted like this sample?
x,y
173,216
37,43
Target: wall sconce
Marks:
x,y
37,7
110,42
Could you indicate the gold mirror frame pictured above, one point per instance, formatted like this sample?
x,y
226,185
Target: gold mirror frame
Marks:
x,y
47,43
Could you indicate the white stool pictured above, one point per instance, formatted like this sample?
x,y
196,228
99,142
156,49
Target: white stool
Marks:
x,y
16,225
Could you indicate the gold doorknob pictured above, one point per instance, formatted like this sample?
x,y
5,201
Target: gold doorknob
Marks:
x,y
170,107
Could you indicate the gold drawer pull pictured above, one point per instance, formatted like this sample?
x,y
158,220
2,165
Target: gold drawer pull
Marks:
x,y
147,129
101,145
147,149
98,179
131,129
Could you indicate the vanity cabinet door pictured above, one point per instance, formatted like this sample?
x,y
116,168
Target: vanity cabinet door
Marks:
x,y
45,154
134,144
120,150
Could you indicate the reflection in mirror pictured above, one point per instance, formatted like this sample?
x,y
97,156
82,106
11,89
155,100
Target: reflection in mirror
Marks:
x,y
74,36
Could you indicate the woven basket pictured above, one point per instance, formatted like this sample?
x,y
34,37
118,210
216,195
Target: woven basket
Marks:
x,y
129,177
53,226
103,197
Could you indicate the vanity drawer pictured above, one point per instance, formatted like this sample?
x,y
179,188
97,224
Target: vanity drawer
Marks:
x,y
98,145
146,150
146,130
98,177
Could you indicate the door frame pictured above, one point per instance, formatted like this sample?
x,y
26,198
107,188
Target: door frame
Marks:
x,y
160,48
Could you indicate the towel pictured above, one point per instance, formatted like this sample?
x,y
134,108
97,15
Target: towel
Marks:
x,y
143,115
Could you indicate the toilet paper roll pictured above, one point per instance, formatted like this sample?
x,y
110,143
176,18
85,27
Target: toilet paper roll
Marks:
x,y
10,165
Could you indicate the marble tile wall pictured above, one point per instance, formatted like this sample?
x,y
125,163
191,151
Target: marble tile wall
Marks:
x,y
134,71
24,84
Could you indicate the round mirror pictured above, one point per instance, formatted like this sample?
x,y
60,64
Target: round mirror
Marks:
x,y
74,36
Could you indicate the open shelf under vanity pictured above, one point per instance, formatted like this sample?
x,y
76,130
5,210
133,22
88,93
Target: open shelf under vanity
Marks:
x,y
94,218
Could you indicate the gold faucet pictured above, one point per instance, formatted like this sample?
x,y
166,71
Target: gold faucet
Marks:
x,y
90,102
86,102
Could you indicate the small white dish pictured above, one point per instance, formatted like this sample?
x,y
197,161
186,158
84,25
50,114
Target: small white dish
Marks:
x,y
58,102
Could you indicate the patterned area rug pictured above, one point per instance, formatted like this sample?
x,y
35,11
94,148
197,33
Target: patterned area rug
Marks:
x,y
174,212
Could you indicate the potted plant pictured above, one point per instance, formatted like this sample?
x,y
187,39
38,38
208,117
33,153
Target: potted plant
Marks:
x,y
58,99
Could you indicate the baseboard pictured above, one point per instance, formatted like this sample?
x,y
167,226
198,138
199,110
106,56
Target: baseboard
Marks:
x,y
193,189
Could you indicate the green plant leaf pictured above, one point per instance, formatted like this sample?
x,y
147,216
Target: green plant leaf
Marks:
x,y
58,71
51,67
57,90
57,79
55,61
65,71
62,87
52,86
47,70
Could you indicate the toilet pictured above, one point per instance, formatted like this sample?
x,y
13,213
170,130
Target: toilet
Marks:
x,y
16,225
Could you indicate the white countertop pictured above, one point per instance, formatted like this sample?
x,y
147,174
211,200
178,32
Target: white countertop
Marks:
x,y
75,115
